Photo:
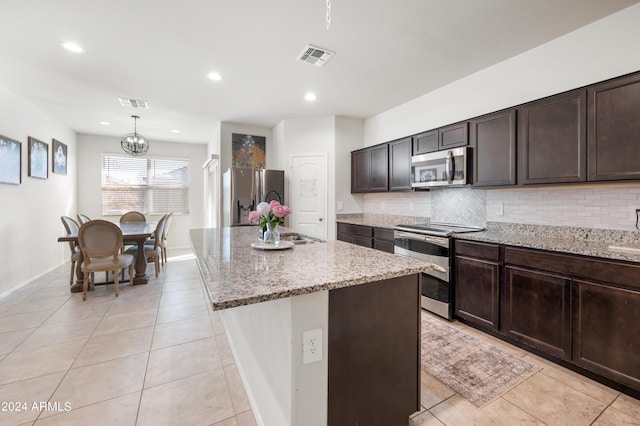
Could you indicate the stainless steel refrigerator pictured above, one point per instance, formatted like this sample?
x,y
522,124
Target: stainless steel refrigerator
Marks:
x,y
243,189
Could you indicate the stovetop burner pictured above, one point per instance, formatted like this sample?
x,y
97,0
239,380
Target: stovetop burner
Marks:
x,y
440,229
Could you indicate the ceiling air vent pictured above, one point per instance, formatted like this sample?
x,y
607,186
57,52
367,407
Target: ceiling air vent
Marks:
x,y
315,55
133,103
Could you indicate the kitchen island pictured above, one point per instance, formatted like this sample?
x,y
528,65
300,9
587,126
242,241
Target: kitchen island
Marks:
x,y
364,304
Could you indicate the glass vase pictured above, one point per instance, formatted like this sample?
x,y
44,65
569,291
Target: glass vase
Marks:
x,y
272,234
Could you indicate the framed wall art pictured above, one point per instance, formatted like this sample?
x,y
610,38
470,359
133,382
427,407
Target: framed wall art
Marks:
x,y
10,161
248,151
38,158
58,157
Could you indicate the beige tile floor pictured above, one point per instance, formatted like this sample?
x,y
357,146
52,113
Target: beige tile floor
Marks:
x,y
157,355
552,396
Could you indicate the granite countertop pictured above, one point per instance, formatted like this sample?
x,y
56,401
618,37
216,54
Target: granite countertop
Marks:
x,y
379,220
570,240
235,274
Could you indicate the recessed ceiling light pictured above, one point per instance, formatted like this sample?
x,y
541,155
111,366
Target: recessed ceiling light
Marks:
x,y
214,76
72,47
105,123
176,131
310,96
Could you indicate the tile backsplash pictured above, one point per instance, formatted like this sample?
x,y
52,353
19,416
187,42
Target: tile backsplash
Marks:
x,y
609,206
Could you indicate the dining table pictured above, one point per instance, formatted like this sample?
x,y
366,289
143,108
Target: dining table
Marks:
x,y
133,232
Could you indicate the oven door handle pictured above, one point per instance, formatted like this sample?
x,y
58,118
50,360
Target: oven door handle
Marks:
x,y
443,242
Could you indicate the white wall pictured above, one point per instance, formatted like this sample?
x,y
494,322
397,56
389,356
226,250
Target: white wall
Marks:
x,y
590,54
30,213
349,137
266,339
90,150
334,136
593,53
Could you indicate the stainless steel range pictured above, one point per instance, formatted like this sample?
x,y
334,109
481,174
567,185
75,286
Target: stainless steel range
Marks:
x,y
432,242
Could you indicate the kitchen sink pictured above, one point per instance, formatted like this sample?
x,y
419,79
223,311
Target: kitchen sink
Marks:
x,y
297,239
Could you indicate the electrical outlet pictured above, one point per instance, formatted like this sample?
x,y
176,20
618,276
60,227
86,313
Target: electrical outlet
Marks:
x,y
340,206
312,346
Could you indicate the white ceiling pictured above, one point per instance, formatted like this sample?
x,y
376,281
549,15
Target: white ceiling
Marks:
x,y
387,53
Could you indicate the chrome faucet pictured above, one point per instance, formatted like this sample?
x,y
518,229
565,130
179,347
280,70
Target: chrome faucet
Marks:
x,y
277,195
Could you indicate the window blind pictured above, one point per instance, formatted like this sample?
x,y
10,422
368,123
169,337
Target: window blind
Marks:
x,y
147,185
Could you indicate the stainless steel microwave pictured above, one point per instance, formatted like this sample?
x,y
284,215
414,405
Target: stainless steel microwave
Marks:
x,y
441,168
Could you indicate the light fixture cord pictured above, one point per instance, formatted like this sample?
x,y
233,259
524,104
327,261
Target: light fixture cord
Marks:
x,y
328,14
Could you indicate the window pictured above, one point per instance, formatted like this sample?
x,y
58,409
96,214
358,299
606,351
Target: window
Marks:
x,y
147,185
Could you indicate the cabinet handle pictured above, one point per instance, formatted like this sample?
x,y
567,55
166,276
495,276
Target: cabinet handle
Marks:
x,y
449,167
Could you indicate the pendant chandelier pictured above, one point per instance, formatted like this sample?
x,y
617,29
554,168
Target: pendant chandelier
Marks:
x,y
134,143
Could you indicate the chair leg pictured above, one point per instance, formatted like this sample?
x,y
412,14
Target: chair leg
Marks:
x,y
73,268
84,286
156,261
130,275
115,280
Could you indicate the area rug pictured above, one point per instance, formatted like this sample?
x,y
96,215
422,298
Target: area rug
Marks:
x,y
471,367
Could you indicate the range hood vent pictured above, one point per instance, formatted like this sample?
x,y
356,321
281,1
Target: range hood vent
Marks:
x,y
133,103
315,55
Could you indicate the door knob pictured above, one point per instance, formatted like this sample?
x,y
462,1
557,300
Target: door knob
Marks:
x,y
320,220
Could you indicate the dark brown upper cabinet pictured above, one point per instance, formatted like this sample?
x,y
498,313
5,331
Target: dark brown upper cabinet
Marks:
x,y
360,170
453,136
400,165
614,129
369,169
552,144
425,142
379,178
493,138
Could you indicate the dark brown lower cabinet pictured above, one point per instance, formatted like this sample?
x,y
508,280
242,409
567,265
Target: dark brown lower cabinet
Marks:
x,y
477,281
607,331
355,234
374,353
383,239
366,236
538,310
583,312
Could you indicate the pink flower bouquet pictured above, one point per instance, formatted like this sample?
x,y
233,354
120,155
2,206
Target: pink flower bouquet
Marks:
x,y
272,213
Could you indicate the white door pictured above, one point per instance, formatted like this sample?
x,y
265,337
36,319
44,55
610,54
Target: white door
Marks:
x,y
308,194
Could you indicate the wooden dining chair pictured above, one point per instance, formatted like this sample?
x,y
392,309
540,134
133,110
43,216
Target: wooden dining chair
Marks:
x,y
133,216
83,218
165,234
163,242
153,251
71,227
100,242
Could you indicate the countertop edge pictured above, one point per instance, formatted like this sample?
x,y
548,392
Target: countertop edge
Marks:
x,y
595,249
308,290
